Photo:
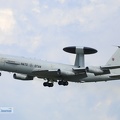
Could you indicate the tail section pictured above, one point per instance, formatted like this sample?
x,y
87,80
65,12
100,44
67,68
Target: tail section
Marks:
x,y
115,61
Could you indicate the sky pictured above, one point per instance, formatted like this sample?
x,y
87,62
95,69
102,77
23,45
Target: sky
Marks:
x,y
40,29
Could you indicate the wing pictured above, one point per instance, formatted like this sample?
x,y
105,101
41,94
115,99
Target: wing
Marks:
x,y
101,70
115,76
45,73
60,74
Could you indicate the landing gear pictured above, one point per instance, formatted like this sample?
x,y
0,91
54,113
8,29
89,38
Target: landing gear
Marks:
x,y
64,83
47,84
50,83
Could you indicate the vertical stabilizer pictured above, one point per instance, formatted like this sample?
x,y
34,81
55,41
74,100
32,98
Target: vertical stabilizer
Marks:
x,y
115,61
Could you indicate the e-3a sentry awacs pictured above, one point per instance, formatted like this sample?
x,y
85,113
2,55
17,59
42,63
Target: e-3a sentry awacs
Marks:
x,y
26,69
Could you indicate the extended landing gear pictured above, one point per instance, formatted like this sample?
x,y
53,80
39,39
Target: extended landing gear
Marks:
x,y
50,83
47,84
64,83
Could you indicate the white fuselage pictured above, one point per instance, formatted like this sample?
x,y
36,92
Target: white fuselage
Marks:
x,y
27,66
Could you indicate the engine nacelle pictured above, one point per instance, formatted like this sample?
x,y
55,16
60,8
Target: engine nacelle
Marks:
x,y
22,77
95,70
65,73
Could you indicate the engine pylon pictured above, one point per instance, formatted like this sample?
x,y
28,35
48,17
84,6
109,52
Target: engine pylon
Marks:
x,y
80,53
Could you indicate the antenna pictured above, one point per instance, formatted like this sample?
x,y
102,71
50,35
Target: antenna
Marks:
x,y
80,53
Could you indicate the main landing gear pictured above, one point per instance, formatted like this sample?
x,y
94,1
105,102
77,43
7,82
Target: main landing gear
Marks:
x,y
47,84
51,84
64,83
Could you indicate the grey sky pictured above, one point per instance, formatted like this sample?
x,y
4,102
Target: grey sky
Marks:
x,y
40,29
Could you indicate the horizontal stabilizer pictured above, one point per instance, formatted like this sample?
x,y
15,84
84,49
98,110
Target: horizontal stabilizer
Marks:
x,y
115,76
109,67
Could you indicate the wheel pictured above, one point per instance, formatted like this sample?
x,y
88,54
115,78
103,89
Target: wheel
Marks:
x,y
65,83
60,83
50,84
45,84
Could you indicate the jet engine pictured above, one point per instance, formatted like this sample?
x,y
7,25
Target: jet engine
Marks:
x,y
22,77
65,73
95,70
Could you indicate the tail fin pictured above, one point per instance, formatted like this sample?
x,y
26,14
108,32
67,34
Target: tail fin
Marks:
x,y
115,61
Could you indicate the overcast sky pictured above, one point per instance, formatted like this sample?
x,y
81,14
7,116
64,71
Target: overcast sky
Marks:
x,y
40,29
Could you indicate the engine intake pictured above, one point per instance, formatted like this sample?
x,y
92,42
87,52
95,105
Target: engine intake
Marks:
x,y
22,77
65,73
